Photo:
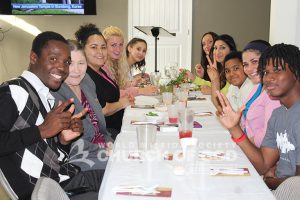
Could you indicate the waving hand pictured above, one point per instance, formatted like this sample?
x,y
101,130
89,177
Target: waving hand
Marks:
x,y
228,117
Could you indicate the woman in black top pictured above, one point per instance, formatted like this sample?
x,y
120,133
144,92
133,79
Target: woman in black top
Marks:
x,y
107,90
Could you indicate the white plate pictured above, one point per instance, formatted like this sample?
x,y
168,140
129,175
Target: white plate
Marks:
x,y
159,118
145,100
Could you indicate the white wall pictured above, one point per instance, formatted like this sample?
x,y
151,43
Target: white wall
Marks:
x,y
244,20
285,22
16,45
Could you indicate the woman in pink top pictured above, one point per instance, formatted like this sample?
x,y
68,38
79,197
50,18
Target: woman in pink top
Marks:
x,y
259,106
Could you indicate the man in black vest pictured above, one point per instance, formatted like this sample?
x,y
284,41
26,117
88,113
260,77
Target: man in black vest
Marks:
x,y
35,135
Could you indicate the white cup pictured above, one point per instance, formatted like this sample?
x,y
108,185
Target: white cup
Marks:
x,y
146,136
173,114
189,146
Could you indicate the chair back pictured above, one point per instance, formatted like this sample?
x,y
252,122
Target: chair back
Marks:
x,y
3,194
289,189
6,192
48,189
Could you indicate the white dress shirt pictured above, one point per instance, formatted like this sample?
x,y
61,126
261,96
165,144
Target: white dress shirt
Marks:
x,y
237,96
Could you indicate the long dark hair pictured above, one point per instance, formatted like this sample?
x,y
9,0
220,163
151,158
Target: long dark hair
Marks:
x,y
132,42
232,46
85,31
204,61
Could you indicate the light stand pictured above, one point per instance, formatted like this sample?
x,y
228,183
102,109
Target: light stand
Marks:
x,y
155,32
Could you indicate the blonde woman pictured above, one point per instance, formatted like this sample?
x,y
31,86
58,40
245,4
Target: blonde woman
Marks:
x,y
116,59
117,64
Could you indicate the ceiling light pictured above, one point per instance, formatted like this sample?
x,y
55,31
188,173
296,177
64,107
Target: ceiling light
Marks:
x,y
20,23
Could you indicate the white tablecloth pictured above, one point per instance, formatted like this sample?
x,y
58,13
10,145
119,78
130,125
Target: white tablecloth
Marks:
x,y
209,123
197,183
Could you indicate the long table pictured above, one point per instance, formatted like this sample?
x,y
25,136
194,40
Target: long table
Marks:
x,y
197,181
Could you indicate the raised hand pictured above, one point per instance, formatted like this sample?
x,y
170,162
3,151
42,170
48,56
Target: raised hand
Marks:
x,y
57,120
199,70
212,64
212,70
205,89
75,129
190,75
228,117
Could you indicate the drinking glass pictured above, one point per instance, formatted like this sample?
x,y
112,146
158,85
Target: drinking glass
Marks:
x,y
173,70
182,95
143,70
167,97
167,71
146,136
154,78
173,114
186,122
173,73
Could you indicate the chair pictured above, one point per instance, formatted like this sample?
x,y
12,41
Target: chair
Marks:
x,y
3,194
289,189
6,191
48,189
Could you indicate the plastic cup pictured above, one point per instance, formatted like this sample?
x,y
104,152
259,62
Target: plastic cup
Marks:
x,y
167,98
173,114
188,146
146,136
182,94
180,105
185,123
154,78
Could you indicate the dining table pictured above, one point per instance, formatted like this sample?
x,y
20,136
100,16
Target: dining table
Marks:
x,y
215,169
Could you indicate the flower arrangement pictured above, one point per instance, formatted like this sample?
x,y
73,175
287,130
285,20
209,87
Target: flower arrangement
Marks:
x,y
181,78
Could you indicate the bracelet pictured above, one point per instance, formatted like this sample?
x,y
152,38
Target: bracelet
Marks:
x,y
240,139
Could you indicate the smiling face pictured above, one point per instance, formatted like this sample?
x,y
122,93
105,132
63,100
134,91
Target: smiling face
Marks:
x,y
221,49
77,68
250,63
95,51
115,47
234,72
137,51
207,42
52,66
279,83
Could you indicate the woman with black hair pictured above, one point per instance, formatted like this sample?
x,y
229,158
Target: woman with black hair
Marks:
x,y
107,89
207,42
136,50
259,105
223,45
202,79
